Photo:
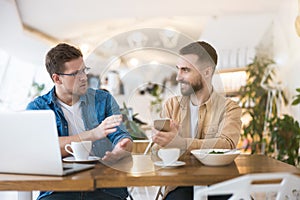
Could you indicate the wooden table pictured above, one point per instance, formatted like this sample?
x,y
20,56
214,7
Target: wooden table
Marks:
x,y
82,181
139,170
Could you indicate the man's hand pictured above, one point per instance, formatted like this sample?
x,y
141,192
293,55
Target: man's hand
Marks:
x,y
163,138
121,150
107,126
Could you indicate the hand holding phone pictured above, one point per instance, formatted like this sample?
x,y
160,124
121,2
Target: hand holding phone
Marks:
x,y
162,124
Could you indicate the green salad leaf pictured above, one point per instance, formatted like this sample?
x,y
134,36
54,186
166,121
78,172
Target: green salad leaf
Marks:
x,y
216,152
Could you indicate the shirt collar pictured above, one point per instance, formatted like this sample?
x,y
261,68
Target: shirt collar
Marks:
x,y
53,99
51,96
83,98
209,102
184,100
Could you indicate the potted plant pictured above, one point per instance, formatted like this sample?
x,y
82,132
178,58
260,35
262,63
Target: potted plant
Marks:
x,y
253,100
36,89
285,138
156,92
283,131
132,125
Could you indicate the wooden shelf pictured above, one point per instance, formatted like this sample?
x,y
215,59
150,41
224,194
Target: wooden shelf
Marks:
x,y
230,70
232,94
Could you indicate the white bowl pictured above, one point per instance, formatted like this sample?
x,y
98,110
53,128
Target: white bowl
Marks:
x,y
206,156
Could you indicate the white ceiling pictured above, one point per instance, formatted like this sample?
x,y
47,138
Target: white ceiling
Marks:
x,y
75,19
93,22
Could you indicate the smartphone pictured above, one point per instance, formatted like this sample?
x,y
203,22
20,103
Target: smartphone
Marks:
x,y
162,124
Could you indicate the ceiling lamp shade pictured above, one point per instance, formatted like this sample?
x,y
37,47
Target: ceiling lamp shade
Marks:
x,y
137,40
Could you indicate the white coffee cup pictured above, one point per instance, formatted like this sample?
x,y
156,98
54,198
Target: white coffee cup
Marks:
x,y
80,150
169,155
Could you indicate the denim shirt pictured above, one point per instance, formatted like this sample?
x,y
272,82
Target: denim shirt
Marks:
x,y
96,106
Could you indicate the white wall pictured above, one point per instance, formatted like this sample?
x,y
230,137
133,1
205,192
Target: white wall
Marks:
x,y
24,58
288,49
14,41
247,32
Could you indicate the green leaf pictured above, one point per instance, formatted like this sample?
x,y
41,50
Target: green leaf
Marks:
x,y
133,128
254,93
296,102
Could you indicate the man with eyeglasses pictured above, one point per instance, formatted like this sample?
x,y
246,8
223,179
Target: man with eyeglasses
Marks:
x,y
81,114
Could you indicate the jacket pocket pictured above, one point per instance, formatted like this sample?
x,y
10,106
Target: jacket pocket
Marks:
x,y
210,131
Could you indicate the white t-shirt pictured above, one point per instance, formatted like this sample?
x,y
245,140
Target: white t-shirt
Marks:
x,y
74,117
194,110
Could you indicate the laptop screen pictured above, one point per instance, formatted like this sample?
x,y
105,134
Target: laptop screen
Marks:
x,y
29,143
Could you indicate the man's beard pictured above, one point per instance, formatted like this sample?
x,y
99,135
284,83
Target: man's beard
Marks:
x,y
191,89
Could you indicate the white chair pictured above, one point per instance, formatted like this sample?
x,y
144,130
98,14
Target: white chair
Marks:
x,y
279,186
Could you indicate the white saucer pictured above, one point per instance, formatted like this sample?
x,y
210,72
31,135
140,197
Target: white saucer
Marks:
x,y
176,164
90,159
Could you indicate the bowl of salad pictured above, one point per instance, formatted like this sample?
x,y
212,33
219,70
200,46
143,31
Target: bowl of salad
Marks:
x,y
216,157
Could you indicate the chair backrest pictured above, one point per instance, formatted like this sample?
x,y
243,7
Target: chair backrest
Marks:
x,y
270,185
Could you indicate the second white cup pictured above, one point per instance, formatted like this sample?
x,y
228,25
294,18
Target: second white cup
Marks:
x,y
169,155
80,150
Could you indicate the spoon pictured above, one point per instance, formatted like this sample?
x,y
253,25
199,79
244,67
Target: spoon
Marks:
x,y
233,150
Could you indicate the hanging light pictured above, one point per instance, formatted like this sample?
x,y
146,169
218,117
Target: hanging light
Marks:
x,y
169,37
137,40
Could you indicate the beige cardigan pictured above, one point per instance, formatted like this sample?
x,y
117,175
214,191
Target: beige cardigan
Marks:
x,y
219,124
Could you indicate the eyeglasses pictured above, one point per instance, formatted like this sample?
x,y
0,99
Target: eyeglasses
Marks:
x,y
85,70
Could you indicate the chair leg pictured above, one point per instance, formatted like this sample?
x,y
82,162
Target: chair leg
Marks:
x,y
130,197
159,193
130,190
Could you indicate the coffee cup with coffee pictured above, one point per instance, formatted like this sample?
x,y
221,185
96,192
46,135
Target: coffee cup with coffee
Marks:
x,y
80,150
169,156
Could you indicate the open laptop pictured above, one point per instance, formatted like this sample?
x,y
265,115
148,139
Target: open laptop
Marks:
x,y
29,144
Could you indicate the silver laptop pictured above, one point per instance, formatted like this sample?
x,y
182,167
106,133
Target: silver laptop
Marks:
x,y
29,145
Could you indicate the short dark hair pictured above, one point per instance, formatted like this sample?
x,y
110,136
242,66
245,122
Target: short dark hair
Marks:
x,y
204,51
59,55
